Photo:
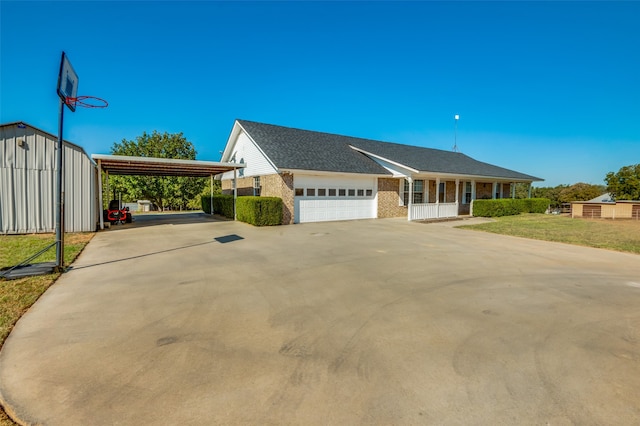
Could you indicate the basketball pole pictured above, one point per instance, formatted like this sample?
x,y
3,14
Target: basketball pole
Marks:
x,y
60,194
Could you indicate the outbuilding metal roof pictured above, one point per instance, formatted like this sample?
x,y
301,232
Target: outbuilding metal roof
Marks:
x,y
148,166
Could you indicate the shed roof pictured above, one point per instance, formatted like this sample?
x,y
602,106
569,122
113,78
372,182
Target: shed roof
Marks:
x,y
126,165
291,148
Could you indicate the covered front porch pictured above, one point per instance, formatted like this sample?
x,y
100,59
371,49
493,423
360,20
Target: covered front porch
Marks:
x,y
428,197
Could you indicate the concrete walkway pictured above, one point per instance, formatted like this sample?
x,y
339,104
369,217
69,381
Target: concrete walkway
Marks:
x,y
364,322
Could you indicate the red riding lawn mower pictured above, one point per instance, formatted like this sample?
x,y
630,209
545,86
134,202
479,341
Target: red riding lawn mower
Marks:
x,y
116,214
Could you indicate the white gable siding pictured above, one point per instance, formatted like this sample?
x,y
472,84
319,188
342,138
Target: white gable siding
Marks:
x,y
396,170
246,152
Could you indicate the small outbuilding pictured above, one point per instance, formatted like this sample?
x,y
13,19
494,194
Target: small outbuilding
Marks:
x,y
28,173
605,207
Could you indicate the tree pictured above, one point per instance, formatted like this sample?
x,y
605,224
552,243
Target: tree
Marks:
x,y
552,193
580,192
625,184
164,191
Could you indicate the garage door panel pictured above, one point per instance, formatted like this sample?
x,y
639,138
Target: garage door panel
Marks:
x,y
326,208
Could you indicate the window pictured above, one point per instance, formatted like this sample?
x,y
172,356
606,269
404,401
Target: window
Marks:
x,y
352,193
256,186
360,192
332,192
442,197
418,191
311,192
467,193
498,190
322,192
405,193
369,192
299,192
342,192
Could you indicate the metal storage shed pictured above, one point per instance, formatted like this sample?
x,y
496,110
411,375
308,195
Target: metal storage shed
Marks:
x,y
27,182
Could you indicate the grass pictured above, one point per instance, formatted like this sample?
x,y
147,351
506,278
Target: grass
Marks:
x,y
619,235
16,296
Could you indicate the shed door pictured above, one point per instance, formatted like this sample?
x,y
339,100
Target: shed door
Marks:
x,y
323,198
591,211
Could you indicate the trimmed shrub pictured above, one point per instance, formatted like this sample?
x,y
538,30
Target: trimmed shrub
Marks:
x,y
222,204
260,211
509,206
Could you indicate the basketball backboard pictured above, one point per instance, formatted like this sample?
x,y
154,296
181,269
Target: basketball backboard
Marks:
x,y
67,82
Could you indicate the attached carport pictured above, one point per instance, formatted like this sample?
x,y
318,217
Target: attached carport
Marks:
x,y
150,166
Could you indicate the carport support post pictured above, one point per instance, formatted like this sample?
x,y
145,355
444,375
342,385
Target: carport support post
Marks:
x,y
211,197
60,194
100,202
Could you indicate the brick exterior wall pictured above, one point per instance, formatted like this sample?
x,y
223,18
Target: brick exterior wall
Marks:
x,y
388,198
506,190
484,190
432,191
275,185
245,186
450,196
281,186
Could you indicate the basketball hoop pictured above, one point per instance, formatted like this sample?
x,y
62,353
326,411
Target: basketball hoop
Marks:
x,y
86,102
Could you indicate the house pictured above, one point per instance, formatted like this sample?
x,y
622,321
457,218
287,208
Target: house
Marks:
x,y
324,177
28,173
605,207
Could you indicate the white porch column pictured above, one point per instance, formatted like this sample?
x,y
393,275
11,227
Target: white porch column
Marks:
x,y
513,190
235,192
494,189
530,185
473,196
457,191
410,198
100,206
437,190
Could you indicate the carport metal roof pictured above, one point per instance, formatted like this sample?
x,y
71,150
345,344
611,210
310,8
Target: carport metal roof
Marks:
x,y
149,166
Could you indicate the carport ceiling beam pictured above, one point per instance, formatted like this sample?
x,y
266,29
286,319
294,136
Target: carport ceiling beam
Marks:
x,y
145,166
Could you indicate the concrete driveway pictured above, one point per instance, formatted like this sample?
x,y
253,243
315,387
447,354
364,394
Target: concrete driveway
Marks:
x,y
364,322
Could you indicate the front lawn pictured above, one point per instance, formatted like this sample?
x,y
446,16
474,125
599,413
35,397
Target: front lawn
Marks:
x,y
16,296
619,235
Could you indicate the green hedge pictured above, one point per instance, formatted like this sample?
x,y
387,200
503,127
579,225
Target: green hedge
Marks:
x,y
260,211
222,204
509,206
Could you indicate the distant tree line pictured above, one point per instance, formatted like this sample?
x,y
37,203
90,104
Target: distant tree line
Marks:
x,y
621,185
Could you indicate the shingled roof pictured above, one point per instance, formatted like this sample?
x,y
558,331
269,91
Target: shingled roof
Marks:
x,y
298,149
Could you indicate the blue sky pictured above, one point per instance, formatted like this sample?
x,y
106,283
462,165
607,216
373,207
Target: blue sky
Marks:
x,y
551,89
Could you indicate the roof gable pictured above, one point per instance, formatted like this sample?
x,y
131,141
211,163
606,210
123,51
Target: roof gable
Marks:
x,y
297,149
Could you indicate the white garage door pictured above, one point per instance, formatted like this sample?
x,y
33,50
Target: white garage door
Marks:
x,y
323,198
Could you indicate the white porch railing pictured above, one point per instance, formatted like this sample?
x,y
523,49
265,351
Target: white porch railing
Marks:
x,y
433,210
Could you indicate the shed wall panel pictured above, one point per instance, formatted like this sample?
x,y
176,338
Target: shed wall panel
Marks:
x,y
27,183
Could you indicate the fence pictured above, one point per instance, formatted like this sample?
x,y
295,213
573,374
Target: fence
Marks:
x,y
433,211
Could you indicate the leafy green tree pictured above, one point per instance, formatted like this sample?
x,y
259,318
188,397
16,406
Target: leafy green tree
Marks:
x,y
549,192
580,192
164,191
625,184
